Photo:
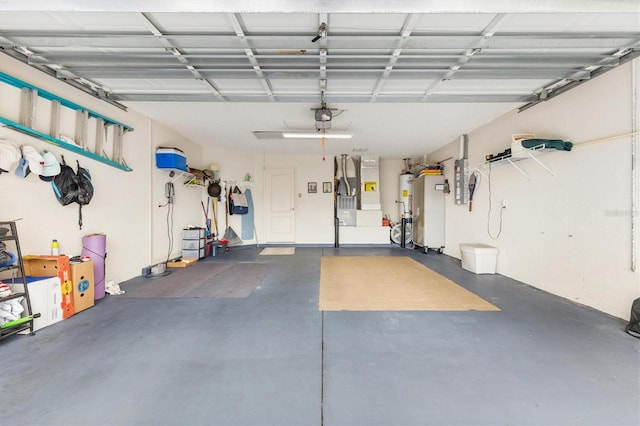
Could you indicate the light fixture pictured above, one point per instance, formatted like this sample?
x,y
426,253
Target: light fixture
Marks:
x,y
310,135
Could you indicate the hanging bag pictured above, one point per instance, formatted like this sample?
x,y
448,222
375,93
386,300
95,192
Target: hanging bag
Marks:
x,y
238,204
65,185
73,187
85,190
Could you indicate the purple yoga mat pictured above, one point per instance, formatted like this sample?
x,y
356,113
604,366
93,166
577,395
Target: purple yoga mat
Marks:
x,y
95,246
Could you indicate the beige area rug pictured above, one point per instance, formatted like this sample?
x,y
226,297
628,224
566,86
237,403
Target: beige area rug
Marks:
x,y
349,283
278,251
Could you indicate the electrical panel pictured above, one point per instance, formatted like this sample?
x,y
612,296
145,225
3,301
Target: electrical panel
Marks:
x,y
461,178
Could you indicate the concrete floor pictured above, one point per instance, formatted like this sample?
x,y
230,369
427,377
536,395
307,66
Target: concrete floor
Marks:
x,y
273,359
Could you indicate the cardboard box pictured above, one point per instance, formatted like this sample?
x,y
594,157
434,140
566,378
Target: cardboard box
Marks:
x,y
48,266
182,263
82,277
44,294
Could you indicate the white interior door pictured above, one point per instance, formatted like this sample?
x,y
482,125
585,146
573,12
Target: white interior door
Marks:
x,y
280,207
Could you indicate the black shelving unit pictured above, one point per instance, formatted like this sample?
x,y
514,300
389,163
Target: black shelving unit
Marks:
x,y
9,234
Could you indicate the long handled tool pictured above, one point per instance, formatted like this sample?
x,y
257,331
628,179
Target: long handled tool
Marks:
x,y
214,215
19,321
473,182
230,235
206,218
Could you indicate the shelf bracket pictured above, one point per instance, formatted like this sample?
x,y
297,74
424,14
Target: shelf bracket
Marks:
x,y
82,118
100,130
54,125
28,101
62,144
484,175
540,163
518,168
176,174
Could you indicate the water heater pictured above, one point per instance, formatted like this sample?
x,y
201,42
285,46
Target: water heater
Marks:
x,y
406,195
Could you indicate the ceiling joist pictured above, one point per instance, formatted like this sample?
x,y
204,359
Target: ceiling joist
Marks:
x,y
495,51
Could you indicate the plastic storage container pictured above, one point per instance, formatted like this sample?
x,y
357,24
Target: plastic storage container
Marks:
x,y
193,244
171,158
192,234
193,254
479,258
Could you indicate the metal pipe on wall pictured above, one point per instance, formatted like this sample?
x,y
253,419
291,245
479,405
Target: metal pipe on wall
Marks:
x,y
336,221
357,161
634,164
403,233
343,159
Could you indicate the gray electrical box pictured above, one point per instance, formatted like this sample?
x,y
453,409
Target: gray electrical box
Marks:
x,y
461,178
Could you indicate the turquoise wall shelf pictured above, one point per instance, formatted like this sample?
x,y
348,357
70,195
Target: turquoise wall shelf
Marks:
x,y
5,78
62,144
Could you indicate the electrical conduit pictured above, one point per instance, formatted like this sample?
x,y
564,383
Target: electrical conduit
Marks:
x,y
634,163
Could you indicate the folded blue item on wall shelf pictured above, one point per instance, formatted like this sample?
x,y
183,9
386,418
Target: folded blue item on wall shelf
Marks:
x,y
558,144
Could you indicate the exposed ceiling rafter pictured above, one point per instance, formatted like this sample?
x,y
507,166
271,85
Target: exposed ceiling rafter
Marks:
x,y
505,56
236,21
407,27
166,44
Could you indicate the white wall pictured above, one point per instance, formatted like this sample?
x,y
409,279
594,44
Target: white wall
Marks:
x,y
313,212
567,233
124,206
187,208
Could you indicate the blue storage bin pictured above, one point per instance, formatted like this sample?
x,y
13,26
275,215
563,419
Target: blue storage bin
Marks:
x,y
171,158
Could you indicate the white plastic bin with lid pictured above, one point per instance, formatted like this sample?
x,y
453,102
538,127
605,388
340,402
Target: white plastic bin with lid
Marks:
x,y
479,258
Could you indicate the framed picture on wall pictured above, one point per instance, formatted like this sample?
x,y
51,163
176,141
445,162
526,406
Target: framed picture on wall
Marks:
x,y
326,187
312,187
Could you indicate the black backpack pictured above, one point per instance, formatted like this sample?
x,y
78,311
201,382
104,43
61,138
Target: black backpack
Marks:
x,y
84,192
64,184
633,328
73,187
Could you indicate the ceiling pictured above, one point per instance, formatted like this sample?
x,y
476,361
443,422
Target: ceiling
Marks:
x,y
404,77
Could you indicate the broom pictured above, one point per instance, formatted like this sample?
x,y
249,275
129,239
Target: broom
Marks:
x,y
229,234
